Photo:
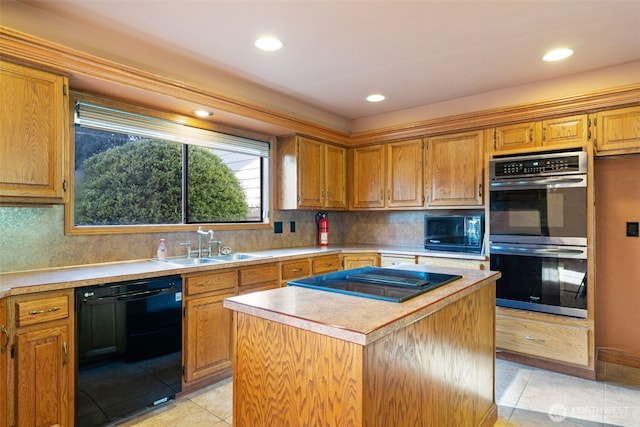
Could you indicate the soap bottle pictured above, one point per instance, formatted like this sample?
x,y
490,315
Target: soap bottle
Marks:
x,y
162,251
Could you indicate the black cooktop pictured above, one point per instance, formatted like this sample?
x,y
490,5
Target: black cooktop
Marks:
x,y
378,283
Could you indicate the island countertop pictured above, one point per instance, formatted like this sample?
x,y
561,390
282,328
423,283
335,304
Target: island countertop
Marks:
x,y
356,319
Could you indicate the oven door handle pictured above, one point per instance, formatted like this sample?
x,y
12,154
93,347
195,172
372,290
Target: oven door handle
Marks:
x,y
514,250
130,296
543,182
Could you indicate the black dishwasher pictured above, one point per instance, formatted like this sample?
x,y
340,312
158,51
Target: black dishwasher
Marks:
x,y
129,348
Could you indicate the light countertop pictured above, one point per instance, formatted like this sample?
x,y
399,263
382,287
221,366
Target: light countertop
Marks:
x,y
356,319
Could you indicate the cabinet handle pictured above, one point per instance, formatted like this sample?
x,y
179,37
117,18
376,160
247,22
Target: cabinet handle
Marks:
x,y
6,333
48,310
296,270
531,135
544,134
530,338
479,190
65,351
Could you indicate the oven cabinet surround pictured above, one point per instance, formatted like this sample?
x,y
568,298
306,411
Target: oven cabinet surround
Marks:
x,y
308,357
547,336
455,169
618,131
552,133
311,174
387,175
33,127
41,372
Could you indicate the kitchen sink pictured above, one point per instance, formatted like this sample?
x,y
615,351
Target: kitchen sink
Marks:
x,y
213,259
236,257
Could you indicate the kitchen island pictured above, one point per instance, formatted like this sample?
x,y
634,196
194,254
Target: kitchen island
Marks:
x,y
315,358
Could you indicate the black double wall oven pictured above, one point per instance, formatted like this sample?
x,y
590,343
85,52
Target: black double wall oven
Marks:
x,y
538,231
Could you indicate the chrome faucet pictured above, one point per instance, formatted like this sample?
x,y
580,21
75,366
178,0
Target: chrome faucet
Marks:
x,y
201,233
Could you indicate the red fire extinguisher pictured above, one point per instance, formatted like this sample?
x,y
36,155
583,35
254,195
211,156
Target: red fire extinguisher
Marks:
x,y
322,220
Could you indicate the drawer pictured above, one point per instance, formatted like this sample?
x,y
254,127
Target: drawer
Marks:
x,y
388,260
325,264
208,282
564,343
454,262
265,273
42,310
295,269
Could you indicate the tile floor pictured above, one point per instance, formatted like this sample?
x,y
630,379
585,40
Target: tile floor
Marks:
x,y
525,396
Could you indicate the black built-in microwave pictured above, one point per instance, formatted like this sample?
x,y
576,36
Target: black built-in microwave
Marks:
x,y
454,233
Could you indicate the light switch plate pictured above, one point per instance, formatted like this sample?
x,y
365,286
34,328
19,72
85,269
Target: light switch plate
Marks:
x,y
632,229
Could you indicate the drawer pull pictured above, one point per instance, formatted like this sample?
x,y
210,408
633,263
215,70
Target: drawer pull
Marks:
x,y
533,339
48,310
6,333
296,270
65,350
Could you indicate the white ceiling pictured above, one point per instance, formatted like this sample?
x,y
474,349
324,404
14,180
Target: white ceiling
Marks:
x,y
337,52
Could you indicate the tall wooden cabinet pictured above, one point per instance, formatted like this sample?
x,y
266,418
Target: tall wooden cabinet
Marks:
x,y
42,372
618,131
5,339
455,169
33,127
388,175
311,174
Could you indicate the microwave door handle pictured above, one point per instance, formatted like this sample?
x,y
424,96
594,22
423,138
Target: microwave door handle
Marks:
x,y
535,251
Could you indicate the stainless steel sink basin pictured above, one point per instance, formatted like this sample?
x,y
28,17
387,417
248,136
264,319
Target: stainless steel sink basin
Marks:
x,y
213,259
236,257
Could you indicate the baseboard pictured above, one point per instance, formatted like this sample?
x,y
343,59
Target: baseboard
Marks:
x,y
618,366
548,365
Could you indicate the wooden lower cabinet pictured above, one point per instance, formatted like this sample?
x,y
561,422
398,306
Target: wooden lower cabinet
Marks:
x,y
358,261
295,269
325,264
259,278
4,352
556,338
454,262
43,367
207,326
389,260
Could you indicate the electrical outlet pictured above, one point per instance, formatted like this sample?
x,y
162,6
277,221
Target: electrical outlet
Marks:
x,y
633,229
277,227
292,226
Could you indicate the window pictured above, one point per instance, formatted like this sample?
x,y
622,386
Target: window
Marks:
x,y
135,170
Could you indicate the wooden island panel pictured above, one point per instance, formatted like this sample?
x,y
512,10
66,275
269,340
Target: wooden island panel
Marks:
x,y
435,371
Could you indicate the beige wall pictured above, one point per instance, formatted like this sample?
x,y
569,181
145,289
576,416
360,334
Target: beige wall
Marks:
x,y
617,256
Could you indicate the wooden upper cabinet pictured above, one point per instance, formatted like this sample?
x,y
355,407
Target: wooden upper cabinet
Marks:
x,y
563,131
454,165
33,125
388,175
405,176
518,136
618,131
367,177
311,174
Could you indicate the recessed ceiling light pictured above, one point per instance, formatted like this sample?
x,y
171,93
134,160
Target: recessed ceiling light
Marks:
x,y
375,98
203,113
557,54
268,43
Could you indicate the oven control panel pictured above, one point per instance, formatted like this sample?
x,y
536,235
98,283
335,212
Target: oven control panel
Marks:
x,y
543,164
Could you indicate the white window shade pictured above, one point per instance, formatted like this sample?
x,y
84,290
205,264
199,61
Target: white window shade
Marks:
x,y
103,118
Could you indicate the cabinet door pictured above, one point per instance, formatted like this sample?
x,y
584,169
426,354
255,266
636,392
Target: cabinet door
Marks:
x,y
335,172
43,377
454,164
4,351
565,130
357,261
405,177
207,342
368,181
516,137
32,129
618,131
310,173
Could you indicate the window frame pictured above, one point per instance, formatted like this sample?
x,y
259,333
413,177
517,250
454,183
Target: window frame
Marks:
x,y
70,228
